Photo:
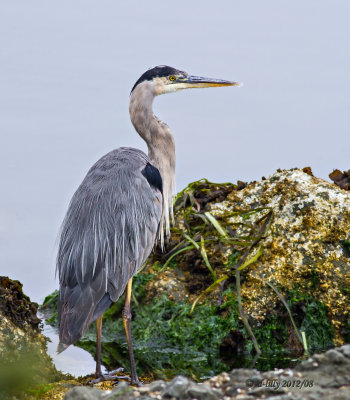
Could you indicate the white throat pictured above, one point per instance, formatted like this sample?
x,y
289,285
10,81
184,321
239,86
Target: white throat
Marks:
x,y
160,142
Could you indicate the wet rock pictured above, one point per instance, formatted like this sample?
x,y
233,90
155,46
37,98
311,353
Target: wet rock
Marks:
x,y
308,365
200,392
14,304
24,362
176,388
122,392
332,370
346,350
336,357
156,386
266,391
341,179
83,393
231,345
329,378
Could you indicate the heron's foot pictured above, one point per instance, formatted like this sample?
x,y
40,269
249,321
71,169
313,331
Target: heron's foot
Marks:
x,y
135,381
111,375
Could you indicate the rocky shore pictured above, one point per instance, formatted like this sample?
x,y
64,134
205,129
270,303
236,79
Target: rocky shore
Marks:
x,y
321,377
288,238
24,362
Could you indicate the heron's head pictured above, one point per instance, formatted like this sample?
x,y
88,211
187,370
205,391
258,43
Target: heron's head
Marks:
x,y
163,79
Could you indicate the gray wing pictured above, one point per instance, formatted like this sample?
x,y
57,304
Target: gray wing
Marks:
x,y
108,233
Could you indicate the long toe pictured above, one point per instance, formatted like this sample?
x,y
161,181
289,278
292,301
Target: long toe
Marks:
x,y
135,381
111,375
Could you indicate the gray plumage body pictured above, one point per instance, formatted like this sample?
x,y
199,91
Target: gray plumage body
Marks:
x,y
107,235
115,215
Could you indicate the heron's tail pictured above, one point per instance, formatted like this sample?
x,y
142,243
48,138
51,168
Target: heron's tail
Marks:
x,y
77,309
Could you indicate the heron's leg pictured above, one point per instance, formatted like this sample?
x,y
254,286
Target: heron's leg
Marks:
x,y
98,346
99,376
126,322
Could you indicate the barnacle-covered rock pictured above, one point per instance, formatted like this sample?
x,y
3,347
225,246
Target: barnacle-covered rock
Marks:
x,y
307,246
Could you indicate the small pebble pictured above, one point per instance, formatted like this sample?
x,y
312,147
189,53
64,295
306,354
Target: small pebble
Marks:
x,y
335,356
177,387
83,393
156,386
345,350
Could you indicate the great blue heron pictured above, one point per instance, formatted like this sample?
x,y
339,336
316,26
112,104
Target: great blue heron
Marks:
x,y
116,214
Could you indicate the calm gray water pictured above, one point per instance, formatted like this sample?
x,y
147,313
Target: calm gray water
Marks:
x,y
66,70
73,360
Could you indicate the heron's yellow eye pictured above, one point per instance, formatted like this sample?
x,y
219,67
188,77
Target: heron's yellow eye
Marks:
x,y
172,77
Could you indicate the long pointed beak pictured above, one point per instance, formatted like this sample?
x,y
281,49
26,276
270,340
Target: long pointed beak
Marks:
x,y
201,82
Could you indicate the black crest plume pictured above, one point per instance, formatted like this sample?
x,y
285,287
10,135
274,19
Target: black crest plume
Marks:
x,y
159,71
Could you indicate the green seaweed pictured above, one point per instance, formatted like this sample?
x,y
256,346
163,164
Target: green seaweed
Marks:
x,y
272,337
315,322
168,339
179,342
49,308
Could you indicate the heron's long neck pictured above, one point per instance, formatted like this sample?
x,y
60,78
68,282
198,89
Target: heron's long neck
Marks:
x,y
161,146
